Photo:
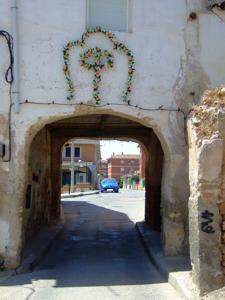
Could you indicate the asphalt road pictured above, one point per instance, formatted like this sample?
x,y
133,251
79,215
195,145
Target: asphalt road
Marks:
x,y
97,256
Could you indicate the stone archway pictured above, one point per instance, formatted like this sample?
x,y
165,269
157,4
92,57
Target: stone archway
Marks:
x,y
37,154
43,194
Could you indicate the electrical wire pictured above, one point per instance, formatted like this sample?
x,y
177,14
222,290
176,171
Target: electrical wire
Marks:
x,y
9,79
9,41
160,108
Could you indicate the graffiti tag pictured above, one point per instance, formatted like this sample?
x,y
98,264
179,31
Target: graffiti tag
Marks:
x,y
205,226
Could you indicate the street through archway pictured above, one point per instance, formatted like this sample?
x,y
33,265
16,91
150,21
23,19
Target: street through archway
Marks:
x,y
98,255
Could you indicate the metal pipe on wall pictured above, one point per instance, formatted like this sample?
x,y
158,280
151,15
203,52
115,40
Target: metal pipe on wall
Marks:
x,y
15,86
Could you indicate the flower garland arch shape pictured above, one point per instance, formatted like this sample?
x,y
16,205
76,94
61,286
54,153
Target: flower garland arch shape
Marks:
x,y
102,59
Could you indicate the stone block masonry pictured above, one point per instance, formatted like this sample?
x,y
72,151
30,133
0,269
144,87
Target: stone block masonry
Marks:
x,y
206,129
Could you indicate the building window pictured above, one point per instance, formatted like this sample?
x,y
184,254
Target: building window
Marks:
x,y
122,169
68,152
111,15
77,152
122,162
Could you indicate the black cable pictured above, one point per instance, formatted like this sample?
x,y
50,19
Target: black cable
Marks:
x,y
9,79
160,108
9,71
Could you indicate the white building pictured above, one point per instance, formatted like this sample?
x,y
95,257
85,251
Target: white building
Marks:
x,y
162,56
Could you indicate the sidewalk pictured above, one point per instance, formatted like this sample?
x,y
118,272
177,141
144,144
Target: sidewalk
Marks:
x,y
177,269
78,194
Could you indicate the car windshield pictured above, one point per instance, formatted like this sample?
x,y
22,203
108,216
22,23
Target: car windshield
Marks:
x,y
109,180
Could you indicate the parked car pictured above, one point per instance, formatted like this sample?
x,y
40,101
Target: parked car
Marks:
x,y
109,184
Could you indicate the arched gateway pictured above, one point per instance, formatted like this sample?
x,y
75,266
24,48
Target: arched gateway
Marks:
x,y
35,168
165,207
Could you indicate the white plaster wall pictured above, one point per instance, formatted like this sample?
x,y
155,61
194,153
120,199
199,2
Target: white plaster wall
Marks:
x,y
5,20
212,48
156,41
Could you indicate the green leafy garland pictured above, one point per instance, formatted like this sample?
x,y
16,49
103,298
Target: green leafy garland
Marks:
x,y
101,60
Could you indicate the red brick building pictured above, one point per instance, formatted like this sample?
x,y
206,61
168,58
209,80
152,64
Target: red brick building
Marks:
x,y
103,168
123,164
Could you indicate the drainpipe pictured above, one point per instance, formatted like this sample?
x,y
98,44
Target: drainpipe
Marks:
x,y
15,85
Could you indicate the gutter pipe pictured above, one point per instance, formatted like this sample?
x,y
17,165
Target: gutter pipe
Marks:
x,y
15,86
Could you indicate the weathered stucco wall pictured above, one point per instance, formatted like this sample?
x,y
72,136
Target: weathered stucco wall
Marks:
x,y
170,50
37,206
207,200
172,69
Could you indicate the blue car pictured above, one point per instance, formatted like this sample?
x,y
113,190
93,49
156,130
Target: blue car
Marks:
x,y
109,184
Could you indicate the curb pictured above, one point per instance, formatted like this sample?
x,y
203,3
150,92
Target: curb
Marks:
x,y
182,283
38,247
149,248
176,270
72,195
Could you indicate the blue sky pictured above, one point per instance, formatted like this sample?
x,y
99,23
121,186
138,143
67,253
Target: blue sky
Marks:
x,y
108,147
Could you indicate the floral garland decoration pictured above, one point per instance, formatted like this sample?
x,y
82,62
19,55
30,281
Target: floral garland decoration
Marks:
x,y
102,59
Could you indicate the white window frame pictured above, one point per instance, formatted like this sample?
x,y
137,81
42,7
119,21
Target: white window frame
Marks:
x,y
129,11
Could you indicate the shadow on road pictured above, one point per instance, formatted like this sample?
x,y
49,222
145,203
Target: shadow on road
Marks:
x,y
98,247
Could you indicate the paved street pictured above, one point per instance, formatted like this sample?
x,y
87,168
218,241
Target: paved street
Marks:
x,y
97,256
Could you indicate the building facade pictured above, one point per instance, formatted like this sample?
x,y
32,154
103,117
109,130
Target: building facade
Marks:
x,y
103,168
123,165
151,62
80,165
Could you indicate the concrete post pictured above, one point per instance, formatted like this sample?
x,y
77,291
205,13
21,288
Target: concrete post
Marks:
x,y
72,168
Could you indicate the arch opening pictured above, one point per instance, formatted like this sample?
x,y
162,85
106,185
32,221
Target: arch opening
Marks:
x,y
86,162
43,194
